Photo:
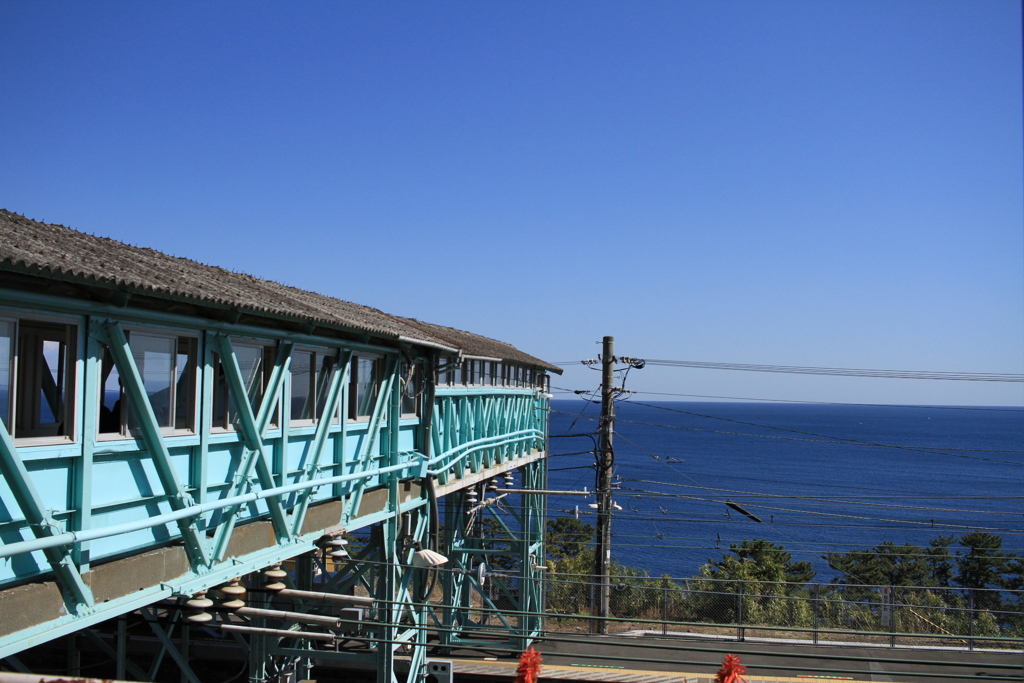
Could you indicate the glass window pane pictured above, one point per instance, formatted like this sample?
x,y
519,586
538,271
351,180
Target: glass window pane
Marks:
x,y
220,395
110,400
250,364
323,383
44,372
154,357
367,386
411,389
6,356
185,384
302,385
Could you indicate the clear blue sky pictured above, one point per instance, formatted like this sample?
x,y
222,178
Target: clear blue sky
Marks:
x,y
812,183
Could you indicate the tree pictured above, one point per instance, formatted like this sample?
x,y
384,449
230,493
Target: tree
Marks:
x,y
983,564
760,560
940,560
888,564
568,537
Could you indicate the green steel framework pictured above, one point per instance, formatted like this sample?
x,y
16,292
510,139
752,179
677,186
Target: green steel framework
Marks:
x,y
193,494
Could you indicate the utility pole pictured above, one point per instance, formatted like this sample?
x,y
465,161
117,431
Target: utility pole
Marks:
x,y
606,458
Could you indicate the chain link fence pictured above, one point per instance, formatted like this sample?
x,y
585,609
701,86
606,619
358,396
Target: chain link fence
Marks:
x,y
827,613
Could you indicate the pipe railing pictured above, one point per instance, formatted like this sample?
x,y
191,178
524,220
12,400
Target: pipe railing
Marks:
x,y
81,536
479,444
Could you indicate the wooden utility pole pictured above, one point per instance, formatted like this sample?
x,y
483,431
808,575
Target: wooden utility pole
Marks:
x,y
606,458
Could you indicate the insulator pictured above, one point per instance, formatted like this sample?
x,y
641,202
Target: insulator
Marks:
x,y
274,576
233,593
339,553
509,480
275,572
492,485
199,602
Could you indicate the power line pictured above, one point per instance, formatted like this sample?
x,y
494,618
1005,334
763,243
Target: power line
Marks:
x,y
825,403
808,499
841,372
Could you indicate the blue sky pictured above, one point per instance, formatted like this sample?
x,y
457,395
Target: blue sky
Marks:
x,y
801,183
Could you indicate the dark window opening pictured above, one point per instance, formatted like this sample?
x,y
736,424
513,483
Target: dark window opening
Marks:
x,y
37,374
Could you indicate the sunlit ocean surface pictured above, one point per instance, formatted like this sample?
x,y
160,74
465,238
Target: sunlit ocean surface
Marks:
x,y
797,469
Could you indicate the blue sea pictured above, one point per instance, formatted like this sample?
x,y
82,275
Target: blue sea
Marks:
x,y
820,478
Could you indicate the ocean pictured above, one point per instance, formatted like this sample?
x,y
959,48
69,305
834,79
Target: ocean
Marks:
x,y
820,478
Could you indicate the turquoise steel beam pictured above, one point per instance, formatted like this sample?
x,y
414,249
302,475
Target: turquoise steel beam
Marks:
x,y
168,645
369,442
253,429
77,596
11,549
338,381
390,571
138,399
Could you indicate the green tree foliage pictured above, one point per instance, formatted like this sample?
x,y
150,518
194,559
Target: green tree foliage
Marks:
x,y
979,562
887,564
568,537
760,560
983,562
493,536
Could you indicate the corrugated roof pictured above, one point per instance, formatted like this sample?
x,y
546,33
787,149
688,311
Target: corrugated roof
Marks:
x,y
478,345
58,252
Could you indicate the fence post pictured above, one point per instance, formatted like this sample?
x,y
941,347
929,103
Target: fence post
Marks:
x,y
664,607
892,619
815,607
739,611
970,618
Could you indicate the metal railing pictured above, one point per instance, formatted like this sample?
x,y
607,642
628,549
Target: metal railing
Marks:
x,y
881,616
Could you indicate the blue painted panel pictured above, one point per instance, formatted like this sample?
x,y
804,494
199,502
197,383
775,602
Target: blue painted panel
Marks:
x,y
52,479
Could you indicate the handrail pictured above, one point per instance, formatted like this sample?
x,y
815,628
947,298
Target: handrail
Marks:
x,y
477,444
69,537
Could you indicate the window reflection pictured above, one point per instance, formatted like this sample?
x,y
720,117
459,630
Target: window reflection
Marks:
x,y
45,366
366,376
6,358
168,370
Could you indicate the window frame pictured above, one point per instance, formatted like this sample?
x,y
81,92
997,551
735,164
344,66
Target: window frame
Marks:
x,y
379,365
124,432
314,391
71,377
417,379
222,395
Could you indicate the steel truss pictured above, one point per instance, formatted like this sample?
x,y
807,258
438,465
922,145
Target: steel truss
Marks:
x,y
277,476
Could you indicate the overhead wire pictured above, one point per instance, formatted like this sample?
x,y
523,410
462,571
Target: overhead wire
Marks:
x,y
841,372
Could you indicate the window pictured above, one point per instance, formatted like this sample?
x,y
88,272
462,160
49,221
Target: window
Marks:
x,y
411,387
365,383
6,360
168,369
498,375
311,374
37,370
255,361
487,378
442,373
